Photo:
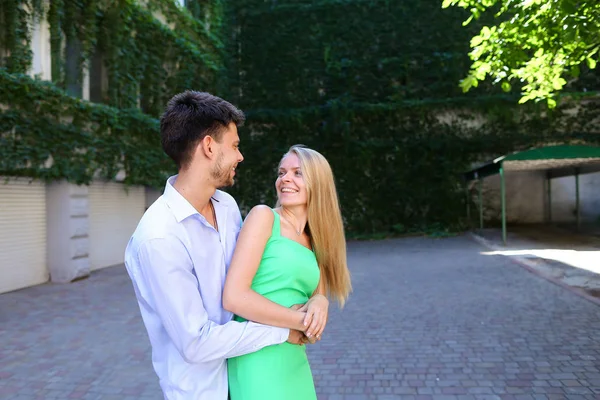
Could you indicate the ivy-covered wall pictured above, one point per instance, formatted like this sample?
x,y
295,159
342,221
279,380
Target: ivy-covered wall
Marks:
x,y
50,135
306,53
137,53
373,85
398,168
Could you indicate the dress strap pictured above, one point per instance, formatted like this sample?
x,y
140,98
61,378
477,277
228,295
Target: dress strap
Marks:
x,y
276,232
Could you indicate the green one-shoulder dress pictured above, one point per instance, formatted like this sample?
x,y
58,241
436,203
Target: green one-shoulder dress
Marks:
x,y
288,274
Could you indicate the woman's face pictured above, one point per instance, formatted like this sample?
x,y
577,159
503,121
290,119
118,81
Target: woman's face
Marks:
x,y
290,185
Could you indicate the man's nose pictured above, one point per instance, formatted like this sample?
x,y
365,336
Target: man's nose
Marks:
x,y
240,157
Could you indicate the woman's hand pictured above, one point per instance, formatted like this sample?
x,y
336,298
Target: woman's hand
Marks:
x,y
316,309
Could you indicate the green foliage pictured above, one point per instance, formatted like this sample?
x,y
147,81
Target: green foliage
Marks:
x,y
50,135
372,85
539,44
398,166
146,61
301,54
201,23
14,32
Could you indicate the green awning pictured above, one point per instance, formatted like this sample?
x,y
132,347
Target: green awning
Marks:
x,y
558,161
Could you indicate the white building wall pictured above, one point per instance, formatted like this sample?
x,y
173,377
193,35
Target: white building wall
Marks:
x,y
61,231
563,198
22,233
525,193
115,211
527,202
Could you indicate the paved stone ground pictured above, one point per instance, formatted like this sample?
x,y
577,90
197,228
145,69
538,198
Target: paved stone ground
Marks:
x,y
561,254
429,319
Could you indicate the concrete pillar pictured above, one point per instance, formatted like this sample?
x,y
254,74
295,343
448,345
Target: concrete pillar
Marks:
x,y
67,231
85,90
41,63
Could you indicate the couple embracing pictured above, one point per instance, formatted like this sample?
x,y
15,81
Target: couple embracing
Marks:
x,y
228,308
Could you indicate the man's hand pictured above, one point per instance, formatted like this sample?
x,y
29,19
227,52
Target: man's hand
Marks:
x,y
310,340
296,337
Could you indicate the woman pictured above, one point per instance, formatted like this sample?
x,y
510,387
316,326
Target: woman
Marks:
x,y
290,255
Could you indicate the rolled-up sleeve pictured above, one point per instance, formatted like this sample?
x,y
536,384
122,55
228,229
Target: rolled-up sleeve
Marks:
x,y
171,288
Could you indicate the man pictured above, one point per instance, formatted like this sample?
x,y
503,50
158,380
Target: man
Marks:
x,y
178,256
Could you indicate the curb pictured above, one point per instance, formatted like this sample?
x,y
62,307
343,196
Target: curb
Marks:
x,y
525,264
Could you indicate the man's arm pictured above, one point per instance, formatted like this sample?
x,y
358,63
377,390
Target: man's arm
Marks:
x,y
166,270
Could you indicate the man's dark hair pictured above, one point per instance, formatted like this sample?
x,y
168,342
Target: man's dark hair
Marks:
x,y
189,117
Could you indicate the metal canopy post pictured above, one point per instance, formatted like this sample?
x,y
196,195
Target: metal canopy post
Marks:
x,y
468,205
577,208
549,187
480,187
503,200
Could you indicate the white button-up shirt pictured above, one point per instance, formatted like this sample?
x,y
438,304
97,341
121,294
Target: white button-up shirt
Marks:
x,y
177,262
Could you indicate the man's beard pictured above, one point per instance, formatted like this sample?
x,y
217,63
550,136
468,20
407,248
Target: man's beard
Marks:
x,y
222,174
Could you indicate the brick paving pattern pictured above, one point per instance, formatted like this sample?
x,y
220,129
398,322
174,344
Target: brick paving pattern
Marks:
x,y
428,319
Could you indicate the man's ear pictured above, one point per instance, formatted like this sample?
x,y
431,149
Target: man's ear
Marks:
x,y
208,147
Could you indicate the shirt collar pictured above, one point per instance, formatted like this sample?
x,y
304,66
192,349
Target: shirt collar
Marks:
x,y
179,206
182,208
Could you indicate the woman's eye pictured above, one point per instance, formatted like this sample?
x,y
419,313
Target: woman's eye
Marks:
x,y
298,173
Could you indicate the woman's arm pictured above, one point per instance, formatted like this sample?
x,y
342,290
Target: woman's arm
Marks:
x,y
320,288
238,297
317,311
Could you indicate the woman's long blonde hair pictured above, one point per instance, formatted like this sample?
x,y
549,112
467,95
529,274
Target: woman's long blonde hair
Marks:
x,y
325,226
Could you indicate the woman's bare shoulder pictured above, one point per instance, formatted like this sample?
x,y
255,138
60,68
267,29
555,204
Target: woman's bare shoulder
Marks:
x,y
260,218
